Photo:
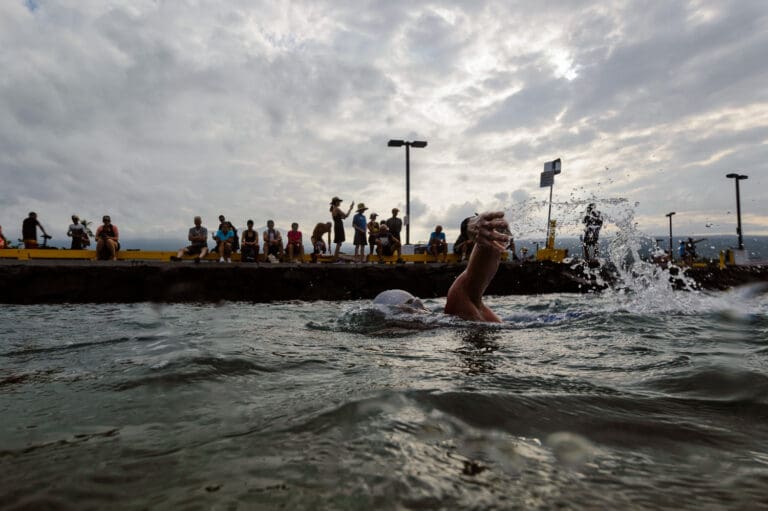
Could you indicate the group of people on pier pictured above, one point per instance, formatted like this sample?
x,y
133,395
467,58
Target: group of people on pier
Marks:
x,y
381,238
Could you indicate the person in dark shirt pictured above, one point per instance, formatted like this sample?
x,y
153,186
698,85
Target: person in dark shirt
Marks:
x,y
395,226
250,244
29,230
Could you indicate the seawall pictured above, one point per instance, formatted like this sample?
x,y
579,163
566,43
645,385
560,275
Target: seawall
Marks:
x,y
34,282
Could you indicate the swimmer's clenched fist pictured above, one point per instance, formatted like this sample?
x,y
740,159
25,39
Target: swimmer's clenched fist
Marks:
x,y
489,230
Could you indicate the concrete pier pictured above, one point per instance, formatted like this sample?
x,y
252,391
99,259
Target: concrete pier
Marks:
x,y
34,282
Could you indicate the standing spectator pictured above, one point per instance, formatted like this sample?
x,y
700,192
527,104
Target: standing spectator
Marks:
x,y
225,237
29,230
3,239
360,225
318,245
273,242
295,244
338,223
198,239
108,240
437,243
593,221
250,243
395,226
373,231
78,234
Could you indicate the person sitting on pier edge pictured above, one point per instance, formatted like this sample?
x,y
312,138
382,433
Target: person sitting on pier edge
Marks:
x,y
462,247
318,245
78,234
386,243
273,241
593,221
250,244
295,245
360,225
437,244
29,230
373,232
236,241
465,296
338,217
108,240
225,238
198,239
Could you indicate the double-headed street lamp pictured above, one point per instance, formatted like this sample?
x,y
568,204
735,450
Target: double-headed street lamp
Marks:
x,y
408,145
671,252
737,178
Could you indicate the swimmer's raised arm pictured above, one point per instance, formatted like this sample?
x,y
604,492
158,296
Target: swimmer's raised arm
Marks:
x,y
490,232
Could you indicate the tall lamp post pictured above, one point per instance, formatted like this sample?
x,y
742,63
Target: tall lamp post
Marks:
x,y
671,252
408,145
737,178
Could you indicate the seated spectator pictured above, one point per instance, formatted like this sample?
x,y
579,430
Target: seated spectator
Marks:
x,y
437,244
250,243
236,241
373,231
198,239
29,230
318,245
3,239
78,234
386,243
295,245
225,237
108,240
273,241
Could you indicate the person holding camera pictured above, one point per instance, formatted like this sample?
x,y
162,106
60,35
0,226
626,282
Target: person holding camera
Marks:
x,y
108,240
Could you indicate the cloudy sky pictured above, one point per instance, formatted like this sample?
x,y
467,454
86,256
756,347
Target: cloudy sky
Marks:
x,y
154,111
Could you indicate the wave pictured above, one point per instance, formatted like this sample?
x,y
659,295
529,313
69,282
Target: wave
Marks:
x,y
625,421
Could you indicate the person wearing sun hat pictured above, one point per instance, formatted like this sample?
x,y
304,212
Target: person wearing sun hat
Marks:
x,y
373,231
359,224
338,223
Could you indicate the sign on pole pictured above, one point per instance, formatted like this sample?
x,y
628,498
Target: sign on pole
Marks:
x,y
551,168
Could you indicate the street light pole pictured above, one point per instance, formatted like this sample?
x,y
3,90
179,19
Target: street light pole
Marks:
x,y
737,178
407,144
671,251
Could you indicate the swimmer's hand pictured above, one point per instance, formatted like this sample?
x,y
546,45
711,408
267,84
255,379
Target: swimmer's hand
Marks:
x,y
489,230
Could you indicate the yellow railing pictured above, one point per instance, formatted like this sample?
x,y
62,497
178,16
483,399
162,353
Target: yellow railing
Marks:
x,y
24,254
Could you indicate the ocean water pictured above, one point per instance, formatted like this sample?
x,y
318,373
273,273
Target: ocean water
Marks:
x,y
643,398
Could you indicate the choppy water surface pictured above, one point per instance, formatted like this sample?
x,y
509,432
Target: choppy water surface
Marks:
x,y
639,400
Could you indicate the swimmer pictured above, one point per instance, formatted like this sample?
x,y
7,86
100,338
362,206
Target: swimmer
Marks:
x,y
490,233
